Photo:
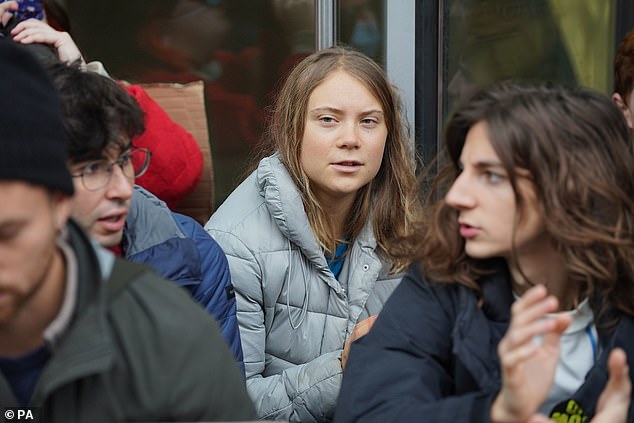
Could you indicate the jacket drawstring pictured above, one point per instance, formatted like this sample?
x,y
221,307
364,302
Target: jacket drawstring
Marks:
x,y
288,290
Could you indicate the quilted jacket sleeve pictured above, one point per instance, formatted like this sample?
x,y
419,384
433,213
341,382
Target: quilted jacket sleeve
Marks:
x,y
215,292
305,392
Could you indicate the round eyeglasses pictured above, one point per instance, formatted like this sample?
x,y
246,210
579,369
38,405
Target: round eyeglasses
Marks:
x,y
96,175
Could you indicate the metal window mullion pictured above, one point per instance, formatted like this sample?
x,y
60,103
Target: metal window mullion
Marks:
x,y
326,22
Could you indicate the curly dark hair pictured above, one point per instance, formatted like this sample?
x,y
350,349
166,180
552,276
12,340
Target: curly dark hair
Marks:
x,y
575,144
98,113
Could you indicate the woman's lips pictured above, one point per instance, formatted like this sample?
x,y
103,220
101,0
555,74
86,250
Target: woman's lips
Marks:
x,y
347,166
467,231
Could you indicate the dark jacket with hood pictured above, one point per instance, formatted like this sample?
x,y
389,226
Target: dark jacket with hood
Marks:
x,y
137,349
432,356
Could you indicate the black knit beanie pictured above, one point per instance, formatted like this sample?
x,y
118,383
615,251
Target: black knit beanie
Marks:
x,y
33,142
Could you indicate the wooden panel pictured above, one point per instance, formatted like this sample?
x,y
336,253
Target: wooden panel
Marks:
x,y
185,104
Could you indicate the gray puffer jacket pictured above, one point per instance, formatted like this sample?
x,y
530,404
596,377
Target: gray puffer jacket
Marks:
x,y
294,316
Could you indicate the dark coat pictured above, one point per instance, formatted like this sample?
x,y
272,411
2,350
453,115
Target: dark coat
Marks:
x,y
432,355
147,353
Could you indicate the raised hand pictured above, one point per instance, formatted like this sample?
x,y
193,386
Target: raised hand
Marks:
x,y
614,401
528,366
6,11
35,31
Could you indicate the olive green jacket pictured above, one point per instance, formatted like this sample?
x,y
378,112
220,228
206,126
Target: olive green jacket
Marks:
x,y
138,349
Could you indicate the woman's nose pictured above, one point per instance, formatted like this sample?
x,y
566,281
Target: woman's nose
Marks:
x,y
460,195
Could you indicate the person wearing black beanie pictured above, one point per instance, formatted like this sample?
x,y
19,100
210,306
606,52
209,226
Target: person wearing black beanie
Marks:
x,y
35,193
86,336
33,143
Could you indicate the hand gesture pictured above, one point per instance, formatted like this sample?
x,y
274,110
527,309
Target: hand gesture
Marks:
x,y
528,367
360,329
614,401
6,11
35,31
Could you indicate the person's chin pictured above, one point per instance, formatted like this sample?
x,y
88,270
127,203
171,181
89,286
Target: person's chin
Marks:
x,y
8,307
110,240
473,250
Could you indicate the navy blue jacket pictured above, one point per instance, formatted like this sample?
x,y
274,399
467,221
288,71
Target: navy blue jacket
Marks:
x,y
432,356
178,248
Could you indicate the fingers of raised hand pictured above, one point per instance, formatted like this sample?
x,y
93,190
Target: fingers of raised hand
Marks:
x,y
619,384
34,26
6,9
8,6
617,365
539,418
532,305
510,358
529,318
614,401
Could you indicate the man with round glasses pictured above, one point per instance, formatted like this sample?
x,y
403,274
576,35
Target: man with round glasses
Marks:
x,y
101,119
106,179
133,163
86,336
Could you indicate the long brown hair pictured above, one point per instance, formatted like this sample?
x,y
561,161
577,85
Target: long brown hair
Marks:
x,y
575,145
391,198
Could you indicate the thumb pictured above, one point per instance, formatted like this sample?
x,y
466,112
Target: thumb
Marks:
x,y
619,386
538,418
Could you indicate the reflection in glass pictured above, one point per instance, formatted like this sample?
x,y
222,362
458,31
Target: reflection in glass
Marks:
x,y
239,48
362,26
489,40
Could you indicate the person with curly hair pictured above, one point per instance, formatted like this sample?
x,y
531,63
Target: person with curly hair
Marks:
x,y
522,306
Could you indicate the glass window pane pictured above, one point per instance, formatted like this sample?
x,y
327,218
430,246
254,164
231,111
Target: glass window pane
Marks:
x,y
239,48
570,41
362,26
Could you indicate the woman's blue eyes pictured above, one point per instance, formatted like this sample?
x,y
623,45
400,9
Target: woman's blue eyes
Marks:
x,y
493,178
329,119
482,174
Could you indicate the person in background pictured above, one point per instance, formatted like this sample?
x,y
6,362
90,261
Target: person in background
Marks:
x,y
312,234
177,160
522,306
173,244
85,336
624,78
180,41
102,122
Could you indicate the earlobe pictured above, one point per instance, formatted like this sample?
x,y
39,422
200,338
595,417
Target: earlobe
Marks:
x,y
61,204
618,100
627,113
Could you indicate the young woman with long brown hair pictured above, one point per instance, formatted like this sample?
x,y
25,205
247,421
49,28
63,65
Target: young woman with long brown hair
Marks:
x,y
522,307
310,233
